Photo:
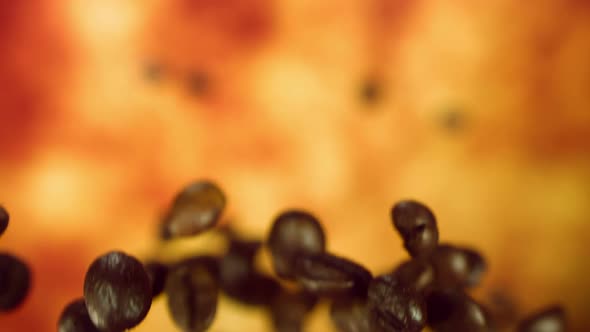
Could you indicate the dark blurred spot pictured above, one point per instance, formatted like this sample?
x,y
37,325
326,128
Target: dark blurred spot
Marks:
x,y
154,72
199,83
371,92
454,120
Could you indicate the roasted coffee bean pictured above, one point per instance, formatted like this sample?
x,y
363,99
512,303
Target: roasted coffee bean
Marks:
x,y
350,314
117,292
292,233
196,209
289,310
326,274
551,319
157,273
417,226
416,275
392,308
192,293
4,219
240,280
75,318
451,311
211,263
457,267
15,279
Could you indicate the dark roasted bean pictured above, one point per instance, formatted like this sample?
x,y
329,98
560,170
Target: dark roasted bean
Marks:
x,y
457,267
211,263
551,319
415,275
417,226
392,308
192,296
4,219
75,318
451,311
196,209
294,232
15,279
117,291
326,274
157,273
289,310
239,278
350,314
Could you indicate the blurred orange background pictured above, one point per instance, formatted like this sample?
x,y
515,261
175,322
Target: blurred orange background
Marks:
x,y
480,109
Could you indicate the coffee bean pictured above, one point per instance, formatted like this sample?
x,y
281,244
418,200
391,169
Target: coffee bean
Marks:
x,y
195,209
417,226
350,314
451,311
326,274
192,293
239,278
415,275
75,318
15,279
117,291
289,310
392,308
209,262
457,266
551,319
292,233
4,219
157,273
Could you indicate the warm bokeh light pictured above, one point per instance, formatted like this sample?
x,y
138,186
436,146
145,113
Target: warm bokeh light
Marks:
x,y
479,109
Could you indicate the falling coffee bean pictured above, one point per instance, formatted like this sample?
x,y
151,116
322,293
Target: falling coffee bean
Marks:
x,y
551,319
195,209
157,273
117,292
15,279
350,314
326,274
192,293
457,267
4,219
417,226
392,308
452,310
75,318
294,232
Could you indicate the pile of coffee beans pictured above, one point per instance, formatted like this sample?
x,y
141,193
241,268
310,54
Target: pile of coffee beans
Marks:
x,y
15,275
429,290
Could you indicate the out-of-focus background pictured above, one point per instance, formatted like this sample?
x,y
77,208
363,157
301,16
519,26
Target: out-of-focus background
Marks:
x,y
480,109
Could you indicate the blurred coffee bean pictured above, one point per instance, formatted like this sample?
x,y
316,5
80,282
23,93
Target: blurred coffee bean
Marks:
x,y
75,318
289,310
192,293
452,311
551,319
198,83
417,226
326,274
294,232
117,292
195,209
350,314
392,308
157,273
4,219
371,91
15,279
457,267
239,278
415,275
211,263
